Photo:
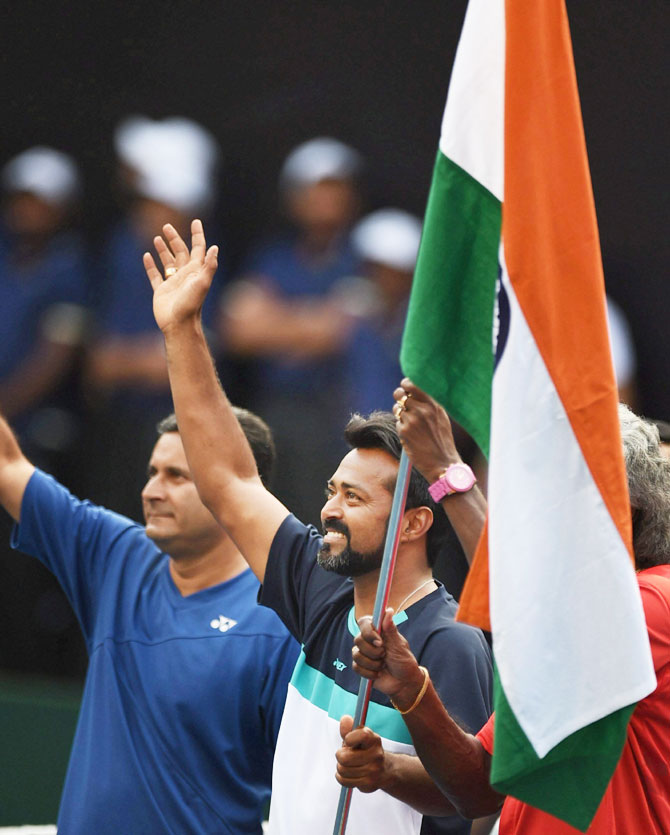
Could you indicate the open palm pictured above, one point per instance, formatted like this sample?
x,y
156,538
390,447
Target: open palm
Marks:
x,y
179,296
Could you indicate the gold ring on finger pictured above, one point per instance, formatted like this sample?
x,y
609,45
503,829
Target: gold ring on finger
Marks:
x,y
170,271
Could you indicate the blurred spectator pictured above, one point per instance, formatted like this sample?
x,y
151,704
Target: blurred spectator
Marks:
x,y
287,314
623,353
387,242
43,285
43,292
168,170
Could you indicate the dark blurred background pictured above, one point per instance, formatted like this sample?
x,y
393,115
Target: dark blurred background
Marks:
x,y
263,76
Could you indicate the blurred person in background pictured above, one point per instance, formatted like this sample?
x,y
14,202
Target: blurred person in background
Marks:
x,y
387,243
44,290
623,353
43,314
167,170
286,313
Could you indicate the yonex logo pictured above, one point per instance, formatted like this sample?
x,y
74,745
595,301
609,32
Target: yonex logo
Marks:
x,y
339,664
222,623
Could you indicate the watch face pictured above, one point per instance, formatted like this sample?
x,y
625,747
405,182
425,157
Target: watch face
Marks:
x,y
460,477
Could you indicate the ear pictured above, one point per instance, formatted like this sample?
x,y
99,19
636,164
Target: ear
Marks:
x,y
416,523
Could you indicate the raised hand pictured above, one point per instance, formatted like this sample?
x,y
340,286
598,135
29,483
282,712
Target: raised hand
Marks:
x,y
178,297
425,430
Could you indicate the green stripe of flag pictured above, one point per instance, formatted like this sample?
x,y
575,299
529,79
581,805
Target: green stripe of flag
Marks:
x,y
570,780
447,343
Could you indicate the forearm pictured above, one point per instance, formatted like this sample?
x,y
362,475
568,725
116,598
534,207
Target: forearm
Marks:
x,y
407,780
15,471
36,377
467,514
114,363
455,760
300,330
216,448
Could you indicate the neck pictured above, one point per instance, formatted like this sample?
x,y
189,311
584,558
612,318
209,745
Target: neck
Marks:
x,y
410,583
191,574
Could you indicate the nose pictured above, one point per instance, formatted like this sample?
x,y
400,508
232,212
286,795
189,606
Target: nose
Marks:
x,y
331,509
153,489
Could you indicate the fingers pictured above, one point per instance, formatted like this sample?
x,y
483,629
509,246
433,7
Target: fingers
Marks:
x,y
407,387
164,253
359,739
153,273
368,633
368,651
387,625
211,261
177,245
360,761
346,725
365,666
198,243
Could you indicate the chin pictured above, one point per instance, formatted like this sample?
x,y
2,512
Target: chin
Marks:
x,y
155,535
348,563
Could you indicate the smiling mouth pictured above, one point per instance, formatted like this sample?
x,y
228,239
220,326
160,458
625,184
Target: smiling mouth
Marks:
x,y
334,536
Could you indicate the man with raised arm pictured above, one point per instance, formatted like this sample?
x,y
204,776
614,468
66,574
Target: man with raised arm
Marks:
x,y
187,675
321,584
637,798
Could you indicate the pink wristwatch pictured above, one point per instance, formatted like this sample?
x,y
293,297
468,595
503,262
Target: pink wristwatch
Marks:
x,y
457,478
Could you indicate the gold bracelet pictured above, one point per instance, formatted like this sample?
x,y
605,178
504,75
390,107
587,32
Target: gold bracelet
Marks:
x,y
422,692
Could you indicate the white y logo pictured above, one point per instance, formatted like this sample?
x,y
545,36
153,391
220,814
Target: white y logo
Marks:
x,y
222,623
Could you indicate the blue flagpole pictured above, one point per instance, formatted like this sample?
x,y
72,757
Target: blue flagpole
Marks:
x,y
381,599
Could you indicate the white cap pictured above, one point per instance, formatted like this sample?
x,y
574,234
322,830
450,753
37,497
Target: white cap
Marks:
x,y
390,237
174,160
319,159
50,175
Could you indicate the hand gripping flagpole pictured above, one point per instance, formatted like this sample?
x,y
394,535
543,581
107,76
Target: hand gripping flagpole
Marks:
x,y
381,599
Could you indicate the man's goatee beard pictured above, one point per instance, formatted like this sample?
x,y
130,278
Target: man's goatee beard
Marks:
x,y
349,563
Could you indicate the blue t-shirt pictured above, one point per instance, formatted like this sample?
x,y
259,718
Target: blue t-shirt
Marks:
x,y
294,275
183,695
373,363
29,290
318,607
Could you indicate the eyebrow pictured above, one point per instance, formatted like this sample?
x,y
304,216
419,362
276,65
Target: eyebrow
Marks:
x,y
152,469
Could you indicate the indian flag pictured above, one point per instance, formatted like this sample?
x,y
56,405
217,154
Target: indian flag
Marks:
x,y
507,328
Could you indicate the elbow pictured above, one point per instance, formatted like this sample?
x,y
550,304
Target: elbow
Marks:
x,y
478,807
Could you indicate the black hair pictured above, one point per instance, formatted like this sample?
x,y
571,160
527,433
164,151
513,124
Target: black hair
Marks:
x,y
257,433
378,431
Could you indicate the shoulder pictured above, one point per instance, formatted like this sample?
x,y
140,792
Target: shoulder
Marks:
x,y
433,631
293,535
654,586
52,500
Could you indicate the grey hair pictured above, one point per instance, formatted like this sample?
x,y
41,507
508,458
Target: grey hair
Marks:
x,y
648,472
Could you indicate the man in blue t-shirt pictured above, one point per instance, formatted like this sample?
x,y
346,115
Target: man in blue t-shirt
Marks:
x,y
187,675
321,585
